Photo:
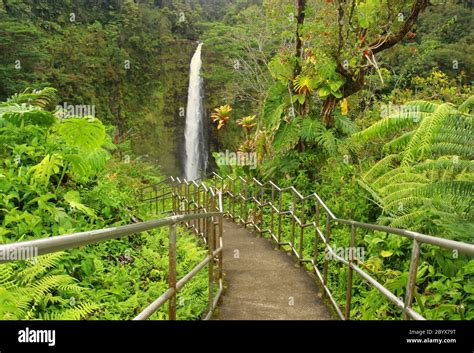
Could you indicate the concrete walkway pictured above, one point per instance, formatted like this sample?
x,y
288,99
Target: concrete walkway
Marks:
x,y
263,283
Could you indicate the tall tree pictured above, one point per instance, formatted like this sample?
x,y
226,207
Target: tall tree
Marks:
x,y
378,27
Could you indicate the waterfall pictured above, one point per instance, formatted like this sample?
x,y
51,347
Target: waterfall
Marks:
x,y
196,155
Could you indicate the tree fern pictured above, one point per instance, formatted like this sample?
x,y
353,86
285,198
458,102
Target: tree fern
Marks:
x,y
427,183
419,146
398,144
381,166
388,126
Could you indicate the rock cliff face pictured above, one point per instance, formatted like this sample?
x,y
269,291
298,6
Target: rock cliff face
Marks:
x,y
160,131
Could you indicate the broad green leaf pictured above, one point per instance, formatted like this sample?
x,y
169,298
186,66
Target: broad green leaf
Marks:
x,y
24,114
87,134
49,166
324,91
73,198
386,253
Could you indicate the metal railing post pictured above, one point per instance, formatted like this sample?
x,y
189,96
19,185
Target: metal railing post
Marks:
x,y
349,272
415,254
221,256
214,224
260,215
272,207
163,200
326,252
173,198
210,243
302,219
316,235
280,206
186,201
199,223
293,223
245,194
172,271
233,199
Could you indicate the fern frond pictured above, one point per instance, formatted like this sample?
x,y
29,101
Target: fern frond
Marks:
x,y
39,266
6,272
78,164
401,175
384,128
422,106
467,105
419,145
46,285
399,143
459,149
404,185
456,191
406,219
381,166
375,196
445,163
79,312
97,159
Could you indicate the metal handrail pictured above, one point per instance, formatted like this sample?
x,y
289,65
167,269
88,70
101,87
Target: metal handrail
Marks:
x,y
70,241
211,233
238,191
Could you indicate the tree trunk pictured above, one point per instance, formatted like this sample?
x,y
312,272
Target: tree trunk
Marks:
x,y
301,6
328,109
304,109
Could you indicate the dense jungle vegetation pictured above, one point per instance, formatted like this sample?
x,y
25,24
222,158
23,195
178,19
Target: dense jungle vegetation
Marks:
x,y
368,103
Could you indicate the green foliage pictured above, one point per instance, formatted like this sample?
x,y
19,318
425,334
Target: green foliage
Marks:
x,y
25,292
24,114
58,178
86,134
434,173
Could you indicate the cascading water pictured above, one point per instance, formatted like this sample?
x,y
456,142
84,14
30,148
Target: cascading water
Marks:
x,y
196,155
